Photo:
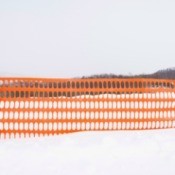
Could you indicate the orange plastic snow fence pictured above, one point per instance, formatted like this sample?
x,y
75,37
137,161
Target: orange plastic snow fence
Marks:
x,y
41,106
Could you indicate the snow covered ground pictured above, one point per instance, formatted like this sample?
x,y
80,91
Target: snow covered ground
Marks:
x,y
88,153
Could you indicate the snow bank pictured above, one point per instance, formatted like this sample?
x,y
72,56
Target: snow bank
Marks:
x,y
88,153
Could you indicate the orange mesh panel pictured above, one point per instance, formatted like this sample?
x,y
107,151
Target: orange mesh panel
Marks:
x,y
39,106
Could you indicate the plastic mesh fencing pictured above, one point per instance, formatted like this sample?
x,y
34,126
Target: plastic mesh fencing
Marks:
x,y
38,106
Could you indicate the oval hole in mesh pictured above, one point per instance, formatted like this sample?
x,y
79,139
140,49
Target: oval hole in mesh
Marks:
x,y
68,104
149,125
40,115
87,126
114,105
21,126
16,126
136,125
69,126
119,115
78,115
31,104
50,115
105,104
83,115
105,115
136,115
114,125
6,114
68,115
21,104
60,126
1,126
173,124
78,104
101,104
145,115
153,104
59,104
59,115
87,115
132,104
50,104
149,105
92,125
92,115
82,105
96,125
101,125
153,124
114,115
106,125
110,125
78,126
73,104
73,126
157,95
123,125
45,126
157,105
16,115
40,126
50,126
54,104
12,104
45,104
21,115
96,115
64,115
101,115
140,125
119,125
45,115
91,104
161,124
157,124
132,125
110,115
1,104
7,105
64,104
35,115
26,127
128,125
97,106
123,115
36,104
73,115
26,104
11,115
16,104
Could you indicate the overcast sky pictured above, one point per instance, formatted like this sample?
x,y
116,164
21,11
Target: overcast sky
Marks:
x,y
68,38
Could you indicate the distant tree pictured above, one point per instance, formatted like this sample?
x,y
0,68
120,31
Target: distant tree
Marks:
x,y
161,74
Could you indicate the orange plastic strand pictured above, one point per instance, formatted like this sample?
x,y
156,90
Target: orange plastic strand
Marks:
x,y
33,107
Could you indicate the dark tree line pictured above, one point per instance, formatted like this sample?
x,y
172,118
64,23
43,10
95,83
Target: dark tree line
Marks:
x,y
161,74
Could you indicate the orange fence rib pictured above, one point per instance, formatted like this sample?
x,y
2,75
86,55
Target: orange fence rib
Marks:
x,y
42,106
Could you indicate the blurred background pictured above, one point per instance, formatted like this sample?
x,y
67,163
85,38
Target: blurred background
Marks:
x,y
73,38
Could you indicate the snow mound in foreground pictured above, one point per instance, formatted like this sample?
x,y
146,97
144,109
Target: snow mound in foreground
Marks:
x,y
89,153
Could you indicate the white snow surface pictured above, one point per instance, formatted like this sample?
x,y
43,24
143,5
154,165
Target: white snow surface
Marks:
x,y
90,153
